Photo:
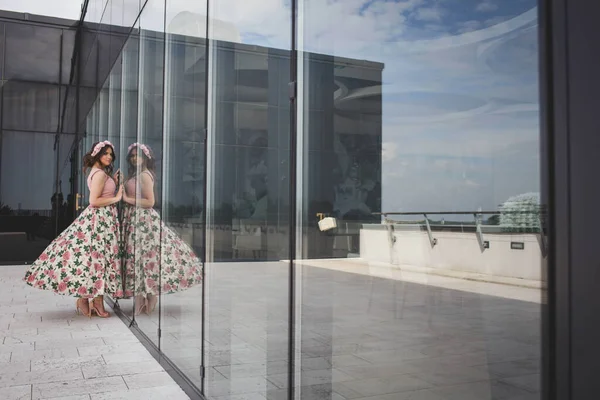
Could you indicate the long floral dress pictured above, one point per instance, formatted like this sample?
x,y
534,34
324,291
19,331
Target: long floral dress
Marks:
x,y
84,260
157,261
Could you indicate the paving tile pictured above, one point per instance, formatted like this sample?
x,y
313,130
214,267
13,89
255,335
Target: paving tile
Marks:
x,y
16,392
253,369
379,386
70,363
443,376
247,396
8,367
22,356
17,347
148,380
111,349
155,393
95,335
481,390
102,370
314,392
78,387
35,377
514,368
63,342
416,395
381,370
78,397
530,382
118,358
238,386
117,340
312,377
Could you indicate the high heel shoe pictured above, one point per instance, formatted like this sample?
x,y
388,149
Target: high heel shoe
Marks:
x,y
151,303
80,309
95,308
140,304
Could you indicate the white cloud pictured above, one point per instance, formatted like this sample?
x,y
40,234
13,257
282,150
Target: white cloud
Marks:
x,y
486,6
428,14
388,151
469,26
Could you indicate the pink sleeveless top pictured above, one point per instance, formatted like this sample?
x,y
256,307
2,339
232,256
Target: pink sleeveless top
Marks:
x,y
131,184
109,185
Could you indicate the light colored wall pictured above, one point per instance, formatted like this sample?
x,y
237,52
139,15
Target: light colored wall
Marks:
x,y
455,251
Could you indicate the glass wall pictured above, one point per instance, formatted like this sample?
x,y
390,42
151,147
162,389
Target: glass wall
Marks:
x,y
36,189
425,158
183,189
248,270
403,166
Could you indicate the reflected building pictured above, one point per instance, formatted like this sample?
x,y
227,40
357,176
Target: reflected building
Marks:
x,y
45,101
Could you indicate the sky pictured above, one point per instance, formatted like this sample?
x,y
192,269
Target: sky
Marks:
x,y
70,9
460,83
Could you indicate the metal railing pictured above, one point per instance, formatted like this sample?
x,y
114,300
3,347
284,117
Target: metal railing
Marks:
x,y
478,224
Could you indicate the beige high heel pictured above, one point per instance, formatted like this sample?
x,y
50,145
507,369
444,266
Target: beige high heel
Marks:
x,y
96,308
151,303
79,309
140,304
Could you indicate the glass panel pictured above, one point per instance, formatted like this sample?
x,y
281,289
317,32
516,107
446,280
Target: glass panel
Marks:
x,y
30,106
144,245
90,62
68,167
95,11
32,53
128,128
118,31
32,209
247,320
428,113
124,14
183,192
2,49
67,54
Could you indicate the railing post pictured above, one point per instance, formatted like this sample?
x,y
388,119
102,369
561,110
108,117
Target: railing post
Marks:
x,y
479,231
432,240
391,238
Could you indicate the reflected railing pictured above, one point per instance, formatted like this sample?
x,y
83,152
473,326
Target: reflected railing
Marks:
x,y
528,222
511,222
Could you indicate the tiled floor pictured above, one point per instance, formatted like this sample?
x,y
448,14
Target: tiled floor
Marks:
x,y
365,333
49,352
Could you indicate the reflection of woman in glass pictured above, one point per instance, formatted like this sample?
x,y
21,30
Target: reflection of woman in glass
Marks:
x,y
83,261
156,259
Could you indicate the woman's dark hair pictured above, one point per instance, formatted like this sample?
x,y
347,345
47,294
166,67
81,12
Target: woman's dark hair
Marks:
x,y
148,162
89,161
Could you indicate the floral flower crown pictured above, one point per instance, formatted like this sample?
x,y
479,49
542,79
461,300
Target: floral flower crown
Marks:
x,y
144,148
99,147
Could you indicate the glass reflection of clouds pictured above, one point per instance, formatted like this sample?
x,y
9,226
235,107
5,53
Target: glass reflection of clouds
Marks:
x,y
459,93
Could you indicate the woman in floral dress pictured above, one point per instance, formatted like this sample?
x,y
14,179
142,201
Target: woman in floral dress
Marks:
x,y
84,260
157,260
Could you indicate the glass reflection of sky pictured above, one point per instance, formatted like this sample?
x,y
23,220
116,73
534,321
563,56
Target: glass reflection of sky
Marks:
x,y
460,89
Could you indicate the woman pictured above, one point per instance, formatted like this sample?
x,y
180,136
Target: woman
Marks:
x,y
84,260
156,259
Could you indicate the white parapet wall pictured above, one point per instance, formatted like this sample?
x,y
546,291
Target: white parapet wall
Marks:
x,y
454,251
